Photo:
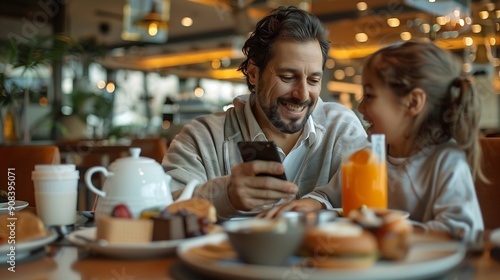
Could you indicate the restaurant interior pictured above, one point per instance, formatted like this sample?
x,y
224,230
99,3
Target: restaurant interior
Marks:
x,y
116,79
82,81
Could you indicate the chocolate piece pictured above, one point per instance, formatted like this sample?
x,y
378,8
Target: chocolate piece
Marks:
x,y
191,224
168,227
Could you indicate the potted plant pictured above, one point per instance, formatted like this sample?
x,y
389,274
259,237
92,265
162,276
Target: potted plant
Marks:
x,y
19,59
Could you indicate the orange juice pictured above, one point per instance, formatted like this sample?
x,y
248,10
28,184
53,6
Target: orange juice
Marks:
x,y
364,181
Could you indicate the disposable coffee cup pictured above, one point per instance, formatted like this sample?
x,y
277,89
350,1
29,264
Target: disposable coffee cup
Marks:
x,y
56,193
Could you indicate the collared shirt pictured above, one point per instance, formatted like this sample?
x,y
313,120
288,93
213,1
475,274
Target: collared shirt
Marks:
x,y
292,161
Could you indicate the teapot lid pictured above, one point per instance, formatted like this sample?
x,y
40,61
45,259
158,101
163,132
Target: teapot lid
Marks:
x,y
133,159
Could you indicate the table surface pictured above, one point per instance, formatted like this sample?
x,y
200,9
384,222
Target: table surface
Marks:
x,y
62,260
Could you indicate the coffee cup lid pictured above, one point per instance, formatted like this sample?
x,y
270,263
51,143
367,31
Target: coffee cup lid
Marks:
x,y
55,167
37,175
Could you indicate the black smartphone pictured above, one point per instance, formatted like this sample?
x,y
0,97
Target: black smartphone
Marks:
x,y
260,150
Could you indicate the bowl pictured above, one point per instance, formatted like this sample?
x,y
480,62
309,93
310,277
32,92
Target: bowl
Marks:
x,y
309,219
264,241
495,244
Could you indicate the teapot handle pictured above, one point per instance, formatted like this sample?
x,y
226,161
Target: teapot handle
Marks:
x,y
88,179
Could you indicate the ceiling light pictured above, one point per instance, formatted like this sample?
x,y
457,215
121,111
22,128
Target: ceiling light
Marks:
x,y
330,63
110,87
476,28
198,90
484,14
187,21
393,22
101,84
216,63
361,37
339,74
361,6
153,21
425,28
349,71
468,41
442,20
405,36
493,41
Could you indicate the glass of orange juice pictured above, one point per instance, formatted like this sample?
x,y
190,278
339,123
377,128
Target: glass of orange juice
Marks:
x,y
364,176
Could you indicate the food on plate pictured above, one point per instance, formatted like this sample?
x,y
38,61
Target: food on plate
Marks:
x,y
3,196
391,229
217,251
120,228
183,224
196,205
27,226
121,211
193,217
340,244
184,219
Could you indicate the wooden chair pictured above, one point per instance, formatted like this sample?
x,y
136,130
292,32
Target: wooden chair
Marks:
x,y
154,148
21,160
488,194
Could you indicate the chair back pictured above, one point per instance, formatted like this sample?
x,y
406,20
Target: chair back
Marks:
x,y
154,148
20,161
488,194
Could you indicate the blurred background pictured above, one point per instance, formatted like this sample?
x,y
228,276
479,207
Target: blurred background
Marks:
x,y
125,69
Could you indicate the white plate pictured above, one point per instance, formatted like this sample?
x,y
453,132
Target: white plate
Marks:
x,y
23,249
153,249
423,261
4,206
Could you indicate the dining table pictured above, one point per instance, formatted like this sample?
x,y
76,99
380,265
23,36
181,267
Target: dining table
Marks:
x,y
64,260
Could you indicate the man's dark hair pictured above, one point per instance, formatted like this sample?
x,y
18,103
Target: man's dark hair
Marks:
x,y
292,24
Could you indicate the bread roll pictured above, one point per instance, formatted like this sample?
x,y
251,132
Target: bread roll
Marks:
x,y
27,226
340,245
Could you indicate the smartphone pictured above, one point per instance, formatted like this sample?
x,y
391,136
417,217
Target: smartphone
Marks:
x,y
260,150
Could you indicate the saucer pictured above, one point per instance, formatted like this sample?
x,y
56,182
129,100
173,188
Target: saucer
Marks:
x,y
18,205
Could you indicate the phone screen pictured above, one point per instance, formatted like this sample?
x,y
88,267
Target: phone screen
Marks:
x,y
260,150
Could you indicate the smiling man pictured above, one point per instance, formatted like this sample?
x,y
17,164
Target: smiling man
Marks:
x,y
286,55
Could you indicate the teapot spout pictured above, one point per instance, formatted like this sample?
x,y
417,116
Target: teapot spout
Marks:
x,y
188,191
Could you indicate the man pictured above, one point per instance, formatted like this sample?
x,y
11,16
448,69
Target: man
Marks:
x,y
286,55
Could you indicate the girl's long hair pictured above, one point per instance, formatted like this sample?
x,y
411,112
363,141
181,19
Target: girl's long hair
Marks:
x,y
452,106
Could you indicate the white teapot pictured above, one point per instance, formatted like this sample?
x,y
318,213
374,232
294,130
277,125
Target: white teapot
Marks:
x,y
137,182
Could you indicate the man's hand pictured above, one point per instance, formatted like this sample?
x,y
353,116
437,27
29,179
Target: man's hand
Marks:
x,y
247,191
300,205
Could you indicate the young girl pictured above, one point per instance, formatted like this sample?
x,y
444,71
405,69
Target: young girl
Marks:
x,y
414,93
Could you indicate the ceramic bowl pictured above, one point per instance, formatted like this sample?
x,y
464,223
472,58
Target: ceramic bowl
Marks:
x,y
495,244
264,241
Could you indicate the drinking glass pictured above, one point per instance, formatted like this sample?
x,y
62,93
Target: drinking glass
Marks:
x,y
364,176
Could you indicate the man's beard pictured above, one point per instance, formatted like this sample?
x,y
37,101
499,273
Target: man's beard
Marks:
x,y
274,117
